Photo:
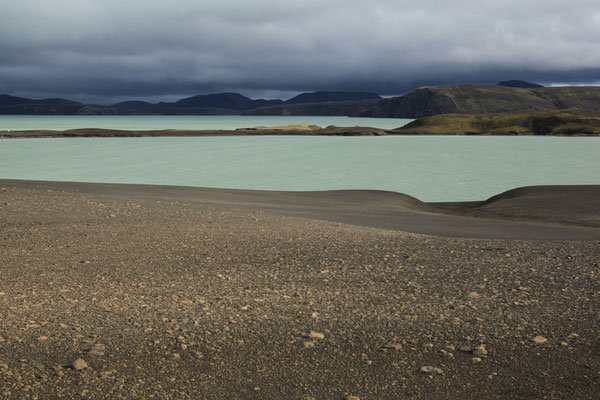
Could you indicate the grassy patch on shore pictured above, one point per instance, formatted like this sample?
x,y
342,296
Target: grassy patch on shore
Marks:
x,y
563,122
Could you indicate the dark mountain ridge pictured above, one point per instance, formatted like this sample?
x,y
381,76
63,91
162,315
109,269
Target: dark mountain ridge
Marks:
x,y
519,84
479,99
422,102
326,97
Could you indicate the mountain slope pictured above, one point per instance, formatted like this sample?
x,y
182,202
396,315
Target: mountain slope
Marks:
x,y
334,108
478,99
20,105
325,97
519,84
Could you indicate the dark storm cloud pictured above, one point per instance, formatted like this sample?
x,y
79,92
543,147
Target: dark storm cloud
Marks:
x,y
105,50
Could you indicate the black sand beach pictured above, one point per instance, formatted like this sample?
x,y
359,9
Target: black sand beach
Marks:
x,y
172,292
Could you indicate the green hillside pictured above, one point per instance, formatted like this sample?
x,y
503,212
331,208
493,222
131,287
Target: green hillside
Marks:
x,y
563,122
478,99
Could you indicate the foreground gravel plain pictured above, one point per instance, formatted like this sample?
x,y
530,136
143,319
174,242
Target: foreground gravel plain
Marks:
x,y
131,298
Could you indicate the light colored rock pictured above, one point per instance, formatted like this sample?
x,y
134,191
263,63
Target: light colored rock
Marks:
x,y
393,346
175,356
42,338
309,345
316,335
465,349
475,360
79,364
352,398
97,349
539,340
480,351
432,370
474,295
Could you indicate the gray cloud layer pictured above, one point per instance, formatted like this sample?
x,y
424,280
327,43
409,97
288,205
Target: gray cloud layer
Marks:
x,y
105,50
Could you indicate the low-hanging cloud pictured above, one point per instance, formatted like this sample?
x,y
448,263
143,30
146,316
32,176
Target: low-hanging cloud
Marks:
x,y
105,50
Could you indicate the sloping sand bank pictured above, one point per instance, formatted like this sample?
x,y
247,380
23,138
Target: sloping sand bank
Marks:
x,y
559,212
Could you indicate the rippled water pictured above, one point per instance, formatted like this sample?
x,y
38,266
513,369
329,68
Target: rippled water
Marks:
x,y
436,168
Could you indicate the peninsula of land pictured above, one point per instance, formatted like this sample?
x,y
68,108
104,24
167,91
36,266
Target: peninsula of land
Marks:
x,y
136,291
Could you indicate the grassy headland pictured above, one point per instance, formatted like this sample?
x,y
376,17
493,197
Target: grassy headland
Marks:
x,y
558,123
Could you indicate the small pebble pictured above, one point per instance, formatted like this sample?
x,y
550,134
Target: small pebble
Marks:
x,y
316,335
309,345
539,339
432,370
394,346
476,360
79,364
480,351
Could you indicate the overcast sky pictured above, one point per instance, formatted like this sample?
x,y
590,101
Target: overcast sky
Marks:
x,y
105,51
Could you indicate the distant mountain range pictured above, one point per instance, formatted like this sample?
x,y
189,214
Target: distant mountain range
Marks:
x,y
211,104
507,96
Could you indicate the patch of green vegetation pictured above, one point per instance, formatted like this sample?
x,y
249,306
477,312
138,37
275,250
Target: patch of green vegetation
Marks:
x,y
563,122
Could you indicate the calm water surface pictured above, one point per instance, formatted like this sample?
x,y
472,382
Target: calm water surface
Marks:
x,y
145,122
436,168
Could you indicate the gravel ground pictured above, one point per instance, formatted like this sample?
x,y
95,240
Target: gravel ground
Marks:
x,y
113,297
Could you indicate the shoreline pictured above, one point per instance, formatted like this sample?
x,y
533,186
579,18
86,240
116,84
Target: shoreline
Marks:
x,y
537,212
329,131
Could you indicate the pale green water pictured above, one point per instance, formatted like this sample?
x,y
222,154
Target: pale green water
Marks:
x,y
146,122
437,168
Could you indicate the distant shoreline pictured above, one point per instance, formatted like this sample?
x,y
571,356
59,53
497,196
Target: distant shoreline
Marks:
x,y
330,131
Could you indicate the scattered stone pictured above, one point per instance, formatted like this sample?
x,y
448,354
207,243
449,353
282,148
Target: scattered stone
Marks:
x,y
450,347
474,295
539,340
79,364
480,351
476,360
352,398
97,350
316,335
432,370
3,366
393,346
175,356
42,338
2,339
565,344
465,349
309,345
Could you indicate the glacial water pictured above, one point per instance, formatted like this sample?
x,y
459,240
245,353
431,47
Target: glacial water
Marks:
x,y
149,122
436,168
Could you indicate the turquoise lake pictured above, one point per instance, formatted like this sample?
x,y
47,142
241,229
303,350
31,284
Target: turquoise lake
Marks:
x,y
433,168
